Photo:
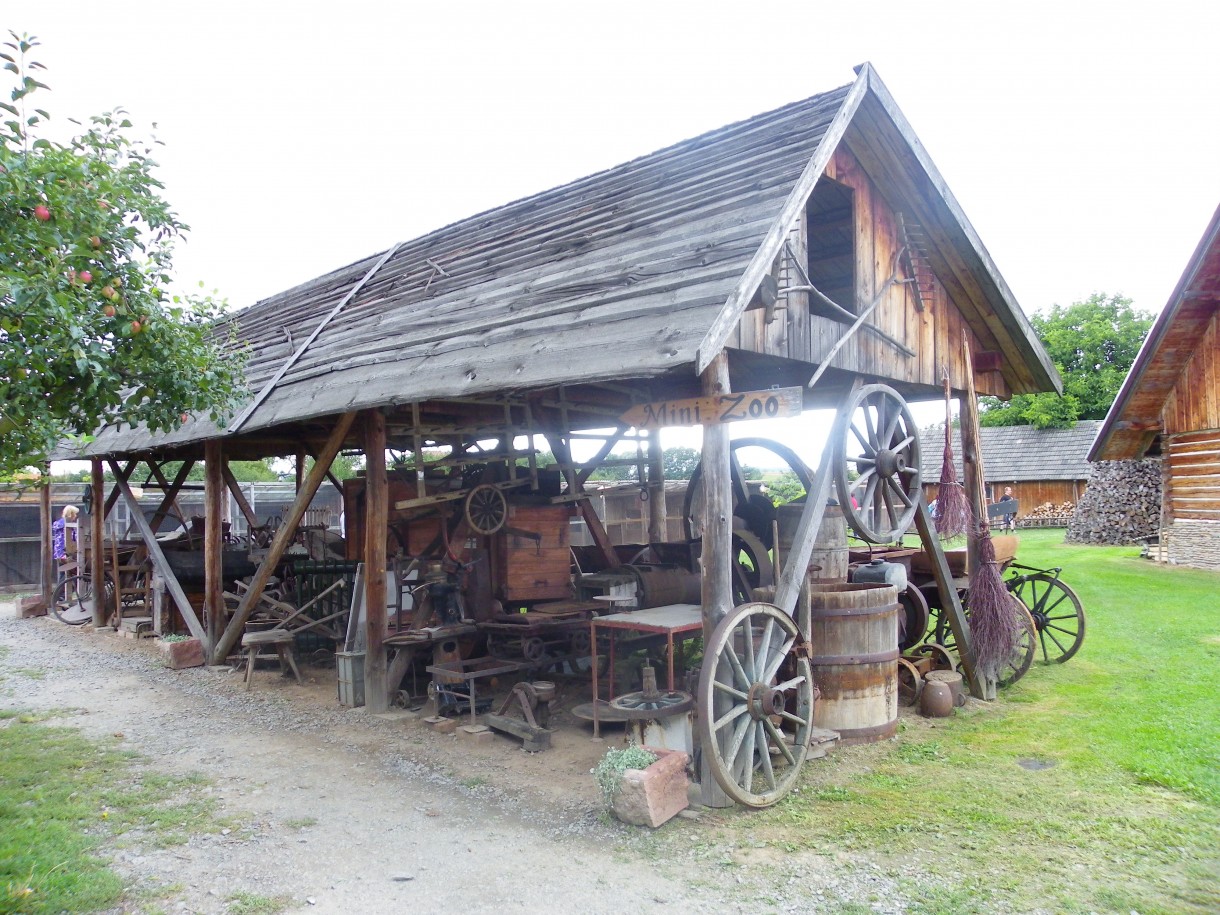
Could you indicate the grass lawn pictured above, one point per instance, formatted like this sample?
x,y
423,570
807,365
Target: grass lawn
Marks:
x,y
1117,805
61,798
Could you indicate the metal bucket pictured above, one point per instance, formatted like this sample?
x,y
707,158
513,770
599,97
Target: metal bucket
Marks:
x,y
854,635
829,560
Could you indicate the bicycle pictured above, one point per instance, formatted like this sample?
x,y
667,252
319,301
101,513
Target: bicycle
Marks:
x,y
72,602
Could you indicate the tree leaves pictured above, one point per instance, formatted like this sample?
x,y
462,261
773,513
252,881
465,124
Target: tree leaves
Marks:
x,y
87,336
1093,344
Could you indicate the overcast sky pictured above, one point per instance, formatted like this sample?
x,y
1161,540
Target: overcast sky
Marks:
x,y
1080,138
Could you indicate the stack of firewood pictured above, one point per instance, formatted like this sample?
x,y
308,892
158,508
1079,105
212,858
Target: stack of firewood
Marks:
x,y
1121,505
1048,514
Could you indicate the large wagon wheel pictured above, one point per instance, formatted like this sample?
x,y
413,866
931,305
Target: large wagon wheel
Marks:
x,y
486,509
756,704
757,518
876,436
1057,613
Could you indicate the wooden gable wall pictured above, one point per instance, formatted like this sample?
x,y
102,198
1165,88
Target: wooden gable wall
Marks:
x,y
933,333
1191,433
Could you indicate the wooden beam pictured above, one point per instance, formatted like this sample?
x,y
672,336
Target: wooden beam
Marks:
x,y
213,540
658,517
97,557
169,492
376,519
948,596
598,532
716,559
238,496
157,556
47,565
113,496
283,538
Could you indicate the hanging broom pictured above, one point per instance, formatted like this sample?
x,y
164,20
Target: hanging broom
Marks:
x,y
952,506
995,625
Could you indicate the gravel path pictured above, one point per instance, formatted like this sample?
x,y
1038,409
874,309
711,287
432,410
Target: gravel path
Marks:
x,y
346,812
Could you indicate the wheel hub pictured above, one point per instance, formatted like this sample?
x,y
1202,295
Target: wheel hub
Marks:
x,y
765,701
890,463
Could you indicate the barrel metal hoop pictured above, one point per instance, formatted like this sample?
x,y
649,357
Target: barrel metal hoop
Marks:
x,y
819,613
875,658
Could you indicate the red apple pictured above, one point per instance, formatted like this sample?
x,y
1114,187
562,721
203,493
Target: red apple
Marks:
x,y
108,292
94,241
41,213
136,327
85,276
184,417
110,311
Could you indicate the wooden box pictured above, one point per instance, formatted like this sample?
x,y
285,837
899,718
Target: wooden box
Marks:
x,y
534,567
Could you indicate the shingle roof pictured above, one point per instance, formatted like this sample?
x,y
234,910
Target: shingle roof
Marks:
x,y
1016,453
633,272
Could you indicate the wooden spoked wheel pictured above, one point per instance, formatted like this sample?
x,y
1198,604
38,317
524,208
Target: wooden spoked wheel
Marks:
x,y
72,602
486,509
877,439
913,624
756,704
1057,613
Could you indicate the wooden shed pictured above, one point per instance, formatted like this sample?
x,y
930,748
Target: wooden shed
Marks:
x,y
1169,406
1041,465
803,252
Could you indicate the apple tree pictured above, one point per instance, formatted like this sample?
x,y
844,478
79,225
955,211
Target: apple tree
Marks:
x,y
88,333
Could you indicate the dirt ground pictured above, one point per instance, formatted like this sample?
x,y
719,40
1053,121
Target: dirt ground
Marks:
x,y
342,811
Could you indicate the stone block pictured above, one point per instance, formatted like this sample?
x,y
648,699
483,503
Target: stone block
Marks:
x,y
653,796
441,725
476,733
183,654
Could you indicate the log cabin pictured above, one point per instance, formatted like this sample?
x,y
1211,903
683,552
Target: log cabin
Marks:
x,y
1169,406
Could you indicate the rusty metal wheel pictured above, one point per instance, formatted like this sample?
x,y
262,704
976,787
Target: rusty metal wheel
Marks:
x,y
913,623
756,704
875,437
1057,613
533,649
486,509
941,658
910,683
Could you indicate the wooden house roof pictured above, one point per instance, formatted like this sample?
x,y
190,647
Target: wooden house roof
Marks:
x,y
1015,453
634,272
1134,421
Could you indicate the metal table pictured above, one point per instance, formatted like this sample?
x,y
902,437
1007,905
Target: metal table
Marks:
x,y
670,620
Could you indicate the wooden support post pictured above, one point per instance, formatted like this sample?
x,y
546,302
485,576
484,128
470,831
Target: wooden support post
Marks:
x,y
376,519
157,556
283,537
213,541
657,515
948,595
113,496
598,532
47,566
971,480
97,556
796,564
300,468
716,580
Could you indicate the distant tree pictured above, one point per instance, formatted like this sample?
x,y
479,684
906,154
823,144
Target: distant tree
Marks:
x,y
253,471
785,488
88,334
680,462
1093,344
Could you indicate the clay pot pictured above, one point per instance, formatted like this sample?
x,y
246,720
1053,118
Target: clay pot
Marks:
x,y
936,700
952,679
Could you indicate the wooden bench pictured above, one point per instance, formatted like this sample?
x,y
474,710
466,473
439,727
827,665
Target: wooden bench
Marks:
x,y
281,640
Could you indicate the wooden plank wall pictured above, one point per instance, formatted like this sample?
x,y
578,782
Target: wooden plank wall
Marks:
x,y
934,333
1193,491
1030,493
1194,403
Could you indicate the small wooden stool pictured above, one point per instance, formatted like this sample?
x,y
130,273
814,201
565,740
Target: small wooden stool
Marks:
x,y
280,638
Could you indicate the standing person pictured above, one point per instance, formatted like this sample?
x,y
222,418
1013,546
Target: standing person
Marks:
x,y
1009,522
59,536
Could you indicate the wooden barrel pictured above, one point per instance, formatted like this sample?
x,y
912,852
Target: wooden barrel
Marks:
x,y
829,560
854,638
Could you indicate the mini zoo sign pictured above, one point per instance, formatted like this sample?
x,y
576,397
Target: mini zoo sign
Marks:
x,y
713,411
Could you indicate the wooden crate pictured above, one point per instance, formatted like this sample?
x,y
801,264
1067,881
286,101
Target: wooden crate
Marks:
x,y
529,569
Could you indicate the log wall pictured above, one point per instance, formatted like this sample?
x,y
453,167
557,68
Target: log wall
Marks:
x,y
1193,478
933,333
